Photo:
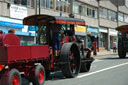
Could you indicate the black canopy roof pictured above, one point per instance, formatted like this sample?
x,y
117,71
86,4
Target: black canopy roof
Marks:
x,y
122,27
42,20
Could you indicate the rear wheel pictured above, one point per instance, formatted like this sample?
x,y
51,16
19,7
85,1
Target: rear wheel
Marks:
x,y
121,51
39,75
85,67
70,59
14,77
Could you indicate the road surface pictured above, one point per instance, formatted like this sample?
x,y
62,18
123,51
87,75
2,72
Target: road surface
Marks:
x,y
104,71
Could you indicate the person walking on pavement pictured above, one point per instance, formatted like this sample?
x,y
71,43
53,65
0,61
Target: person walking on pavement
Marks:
x,y
114,46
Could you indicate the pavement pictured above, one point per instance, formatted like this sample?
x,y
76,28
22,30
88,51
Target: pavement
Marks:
x,y
103,53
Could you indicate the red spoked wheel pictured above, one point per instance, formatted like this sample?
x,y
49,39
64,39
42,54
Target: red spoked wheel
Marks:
x,y
39,75
15,80
14,77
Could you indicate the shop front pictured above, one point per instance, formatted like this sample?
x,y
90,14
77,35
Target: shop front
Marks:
x,y
103,38
113,36
92,36
16,24
80,32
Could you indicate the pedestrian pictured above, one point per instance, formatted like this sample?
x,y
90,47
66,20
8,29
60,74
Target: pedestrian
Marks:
x,y
114,46
11,31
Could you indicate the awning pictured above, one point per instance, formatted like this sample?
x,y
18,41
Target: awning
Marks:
x,y
92,29
43,20
122,27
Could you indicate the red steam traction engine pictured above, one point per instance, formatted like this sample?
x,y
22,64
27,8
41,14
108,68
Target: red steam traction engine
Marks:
x,y
34,62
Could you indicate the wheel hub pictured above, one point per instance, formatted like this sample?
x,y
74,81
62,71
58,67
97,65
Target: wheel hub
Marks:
x,y
41,76
15,80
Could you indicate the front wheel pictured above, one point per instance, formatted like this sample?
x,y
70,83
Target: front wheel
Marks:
x,y
85,67
39,75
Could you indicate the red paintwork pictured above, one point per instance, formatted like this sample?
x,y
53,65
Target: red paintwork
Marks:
x,y
15,80
9,39
124,30
11,54
41,76
66,39
1,67
70,22
95,47
39,51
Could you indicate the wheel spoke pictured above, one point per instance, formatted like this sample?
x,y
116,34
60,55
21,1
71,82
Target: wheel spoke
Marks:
x,y
15,80
41,76
72,61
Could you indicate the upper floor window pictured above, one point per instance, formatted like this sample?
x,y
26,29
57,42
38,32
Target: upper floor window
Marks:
x,y
76,8
112,15
83,10
92,12
103,13
11,1
120,16
62,5
29,3
126,18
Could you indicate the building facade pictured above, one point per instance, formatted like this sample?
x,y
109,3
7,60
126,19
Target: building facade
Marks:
x,y
101,17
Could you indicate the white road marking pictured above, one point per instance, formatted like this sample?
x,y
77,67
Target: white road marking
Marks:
x,y
96,60
101,70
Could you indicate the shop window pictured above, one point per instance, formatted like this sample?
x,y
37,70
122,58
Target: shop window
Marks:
x,y
120,17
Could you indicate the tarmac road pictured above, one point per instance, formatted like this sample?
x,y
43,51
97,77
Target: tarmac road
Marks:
x,y
104,71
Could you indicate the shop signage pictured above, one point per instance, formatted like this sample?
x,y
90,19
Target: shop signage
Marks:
x,y
92,29
104,30
8,22
32,28
80,30
18,12
112,32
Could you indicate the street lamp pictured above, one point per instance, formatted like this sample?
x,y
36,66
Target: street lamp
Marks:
x,y
37,33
